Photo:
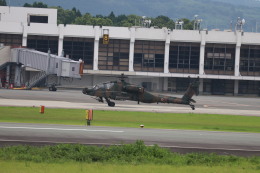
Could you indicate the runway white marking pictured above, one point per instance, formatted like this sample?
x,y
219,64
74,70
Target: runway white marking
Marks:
x,y
59,129
54,142
207,148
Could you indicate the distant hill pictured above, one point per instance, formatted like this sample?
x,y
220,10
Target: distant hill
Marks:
x,y
249,3
215,13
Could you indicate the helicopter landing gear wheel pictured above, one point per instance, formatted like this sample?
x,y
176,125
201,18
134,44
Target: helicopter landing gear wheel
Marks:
x,y
192,107
109,103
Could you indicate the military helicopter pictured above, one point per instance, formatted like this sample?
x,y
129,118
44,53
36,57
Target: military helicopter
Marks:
x,y
121,90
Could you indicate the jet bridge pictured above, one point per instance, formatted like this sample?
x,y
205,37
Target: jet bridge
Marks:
x,y
47,64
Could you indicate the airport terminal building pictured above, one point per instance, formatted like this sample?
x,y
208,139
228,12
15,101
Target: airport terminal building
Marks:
x,y
227,62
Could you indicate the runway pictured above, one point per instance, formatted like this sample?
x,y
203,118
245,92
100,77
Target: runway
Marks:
x,y
75,99
183,141
245,144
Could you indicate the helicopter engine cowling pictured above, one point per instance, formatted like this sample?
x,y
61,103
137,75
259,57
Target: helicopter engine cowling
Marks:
x,y
134,89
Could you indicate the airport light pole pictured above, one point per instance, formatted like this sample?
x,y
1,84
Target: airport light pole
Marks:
x,y
197,22
179,24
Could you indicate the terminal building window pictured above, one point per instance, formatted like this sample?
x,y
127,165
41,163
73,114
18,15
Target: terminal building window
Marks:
x,y
250,60
172,84
43,43
11,39
248,87
149,56
219,59
114,55
178,85
184,58
38,19
218,86
210,86
79,48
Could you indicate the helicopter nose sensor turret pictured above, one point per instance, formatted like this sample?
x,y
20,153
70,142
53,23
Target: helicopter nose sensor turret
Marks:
x,y
85,91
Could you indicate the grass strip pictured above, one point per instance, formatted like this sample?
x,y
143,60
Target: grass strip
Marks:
x,y
69,167
190,121
133,155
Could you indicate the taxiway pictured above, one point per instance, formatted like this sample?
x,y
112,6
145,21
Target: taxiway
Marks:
x,y
75,99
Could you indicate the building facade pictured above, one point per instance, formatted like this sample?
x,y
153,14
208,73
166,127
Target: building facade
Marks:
x,y
227,62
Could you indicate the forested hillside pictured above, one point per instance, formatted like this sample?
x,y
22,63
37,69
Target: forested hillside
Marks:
x,y
215,13
250,3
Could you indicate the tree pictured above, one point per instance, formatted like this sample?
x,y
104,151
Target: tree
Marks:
x,y
39,5
101,21
188,25
2,3
163,21
119,19
36,5
74,16
84,20
77,12
128,21
112,17
27,5
66,16
99,16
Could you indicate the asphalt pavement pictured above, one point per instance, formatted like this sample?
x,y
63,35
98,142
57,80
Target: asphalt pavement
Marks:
x,y
246,144
183,141
75,99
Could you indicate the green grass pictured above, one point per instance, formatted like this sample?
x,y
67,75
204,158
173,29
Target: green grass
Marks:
x,y
132,119
126,158
69,167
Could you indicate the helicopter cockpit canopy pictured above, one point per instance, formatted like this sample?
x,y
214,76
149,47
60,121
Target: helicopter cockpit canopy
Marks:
x,y
107,85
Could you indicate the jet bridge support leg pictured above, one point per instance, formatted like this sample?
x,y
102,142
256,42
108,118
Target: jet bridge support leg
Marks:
x,y
7,83
17,77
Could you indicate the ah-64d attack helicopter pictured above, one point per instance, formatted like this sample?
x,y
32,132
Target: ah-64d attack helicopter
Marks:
x,y
121,90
